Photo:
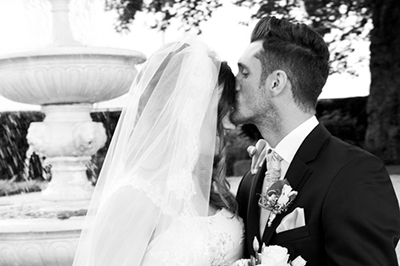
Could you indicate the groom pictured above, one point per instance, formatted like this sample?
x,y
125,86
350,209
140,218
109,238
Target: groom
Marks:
x,y
346,211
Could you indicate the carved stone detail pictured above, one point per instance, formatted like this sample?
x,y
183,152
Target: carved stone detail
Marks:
x,y
62,133
68,74
67,138
55,248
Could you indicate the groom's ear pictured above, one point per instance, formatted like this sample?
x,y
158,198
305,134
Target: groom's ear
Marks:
x,y
278,82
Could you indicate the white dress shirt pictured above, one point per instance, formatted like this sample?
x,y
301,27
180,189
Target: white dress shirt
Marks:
x,y
289,145
287,149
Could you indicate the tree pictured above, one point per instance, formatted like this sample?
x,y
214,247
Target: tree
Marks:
x,y
383,109
331,19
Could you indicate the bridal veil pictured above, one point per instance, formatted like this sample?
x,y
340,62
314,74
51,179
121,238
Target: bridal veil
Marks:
x,y
159,163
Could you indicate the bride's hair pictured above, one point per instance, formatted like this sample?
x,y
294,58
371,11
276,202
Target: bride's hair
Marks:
x,y
220,195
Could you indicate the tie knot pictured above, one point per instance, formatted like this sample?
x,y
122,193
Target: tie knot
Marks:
x,y
273,160
273,156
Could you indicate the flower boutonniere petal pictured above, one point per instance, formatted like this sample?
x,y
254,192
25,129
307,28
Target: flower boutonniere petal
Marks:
x,y
277,199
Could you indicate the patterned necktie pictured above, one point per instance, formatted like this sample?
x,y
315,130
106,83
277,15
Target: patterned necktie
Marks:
x,y
271,176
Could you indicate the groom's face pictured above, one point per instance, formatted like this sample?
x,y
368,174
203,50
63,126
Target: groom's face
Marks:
x,y
249,90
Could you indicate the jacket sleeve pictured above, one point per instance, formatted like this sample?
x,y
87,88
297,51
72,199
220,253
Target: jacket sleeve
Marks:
x,y
242,197
360,215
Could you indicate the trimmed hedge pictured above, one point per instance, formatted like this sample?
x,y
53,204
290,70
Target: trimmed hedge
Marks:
x,y
344,118
109,120
13,144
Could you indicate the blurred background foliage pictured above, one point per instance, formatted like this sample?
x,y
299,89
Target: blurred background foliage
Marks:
x,y
13,129
345,118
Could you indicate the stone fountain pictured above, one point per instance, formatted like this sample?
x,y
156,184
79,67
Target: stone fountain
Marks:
x,y
65,78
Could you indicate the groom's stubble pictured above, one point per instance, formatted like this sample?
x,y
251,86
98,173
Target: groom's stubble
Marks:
x,y
265,115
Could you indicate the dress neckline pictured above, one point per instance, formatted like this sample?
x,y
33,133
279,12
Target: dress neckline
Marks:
x,y
218,212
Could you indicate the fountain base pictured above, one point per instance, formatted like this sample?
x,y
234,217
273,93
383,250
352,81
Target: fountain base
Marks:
x,y
69,180
32,235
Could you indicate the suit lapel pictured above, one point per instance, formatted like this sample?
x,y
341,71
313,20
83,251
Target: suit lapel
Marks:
x,y
299,172
253,214
297,175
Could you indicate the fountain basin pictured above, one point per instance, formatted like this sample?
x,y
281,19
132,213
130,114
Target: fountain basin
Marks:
x,y
38,242
76,74
32,235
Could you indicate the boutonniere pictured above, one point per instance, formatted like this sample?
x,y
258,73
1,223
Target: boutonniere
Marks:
x,y
277,199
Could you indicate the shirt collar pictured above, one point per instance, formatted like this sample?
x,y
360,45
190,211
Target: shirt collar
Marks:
x,y
289,145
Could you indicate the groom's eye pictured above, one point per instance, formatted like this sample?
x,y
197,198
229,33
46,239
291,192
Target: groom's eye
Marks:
x,y
243,71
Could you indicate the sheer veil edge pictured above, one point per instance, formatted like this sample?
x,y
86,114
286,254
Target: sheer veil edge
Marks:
x,y
159,163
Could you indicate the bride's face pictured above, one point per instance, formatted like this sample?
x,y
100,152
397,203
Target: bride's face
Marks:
x,y
226,121
226,97
224,112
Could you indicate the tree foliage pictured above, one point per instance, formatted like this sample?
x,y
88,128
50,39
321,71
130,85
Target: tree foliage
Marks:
x,y
191,12
342,22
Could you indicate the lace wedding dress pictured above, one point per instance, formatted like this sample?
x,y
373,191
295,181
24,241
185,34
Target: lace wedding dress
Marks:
x,y
215,240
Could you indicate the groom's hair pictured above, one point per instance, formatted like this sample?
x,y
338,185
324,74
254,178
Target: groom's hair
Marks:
x,y
299,51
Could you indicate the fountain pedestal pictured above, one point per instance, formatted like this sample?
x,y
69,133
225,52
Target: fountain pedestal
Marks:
x,y
67,138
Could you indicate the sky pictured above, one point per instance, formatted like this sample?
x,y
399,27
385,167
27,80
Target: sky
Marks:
x,y
24,25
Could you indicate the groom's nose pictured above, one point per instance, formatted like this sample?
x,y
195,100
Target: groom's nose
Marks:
x,y
238,83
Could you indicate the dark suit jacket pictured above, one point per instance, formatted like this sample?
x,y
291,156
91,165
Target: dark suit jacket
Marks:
x,y
351,210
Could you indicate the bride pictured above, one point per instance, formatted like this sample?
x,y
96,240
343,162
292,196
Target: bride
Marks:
x,y
159,200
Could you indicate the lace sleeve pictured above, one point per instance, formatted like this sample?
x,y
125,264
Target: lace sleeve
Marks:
x,y
177,191
138,186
